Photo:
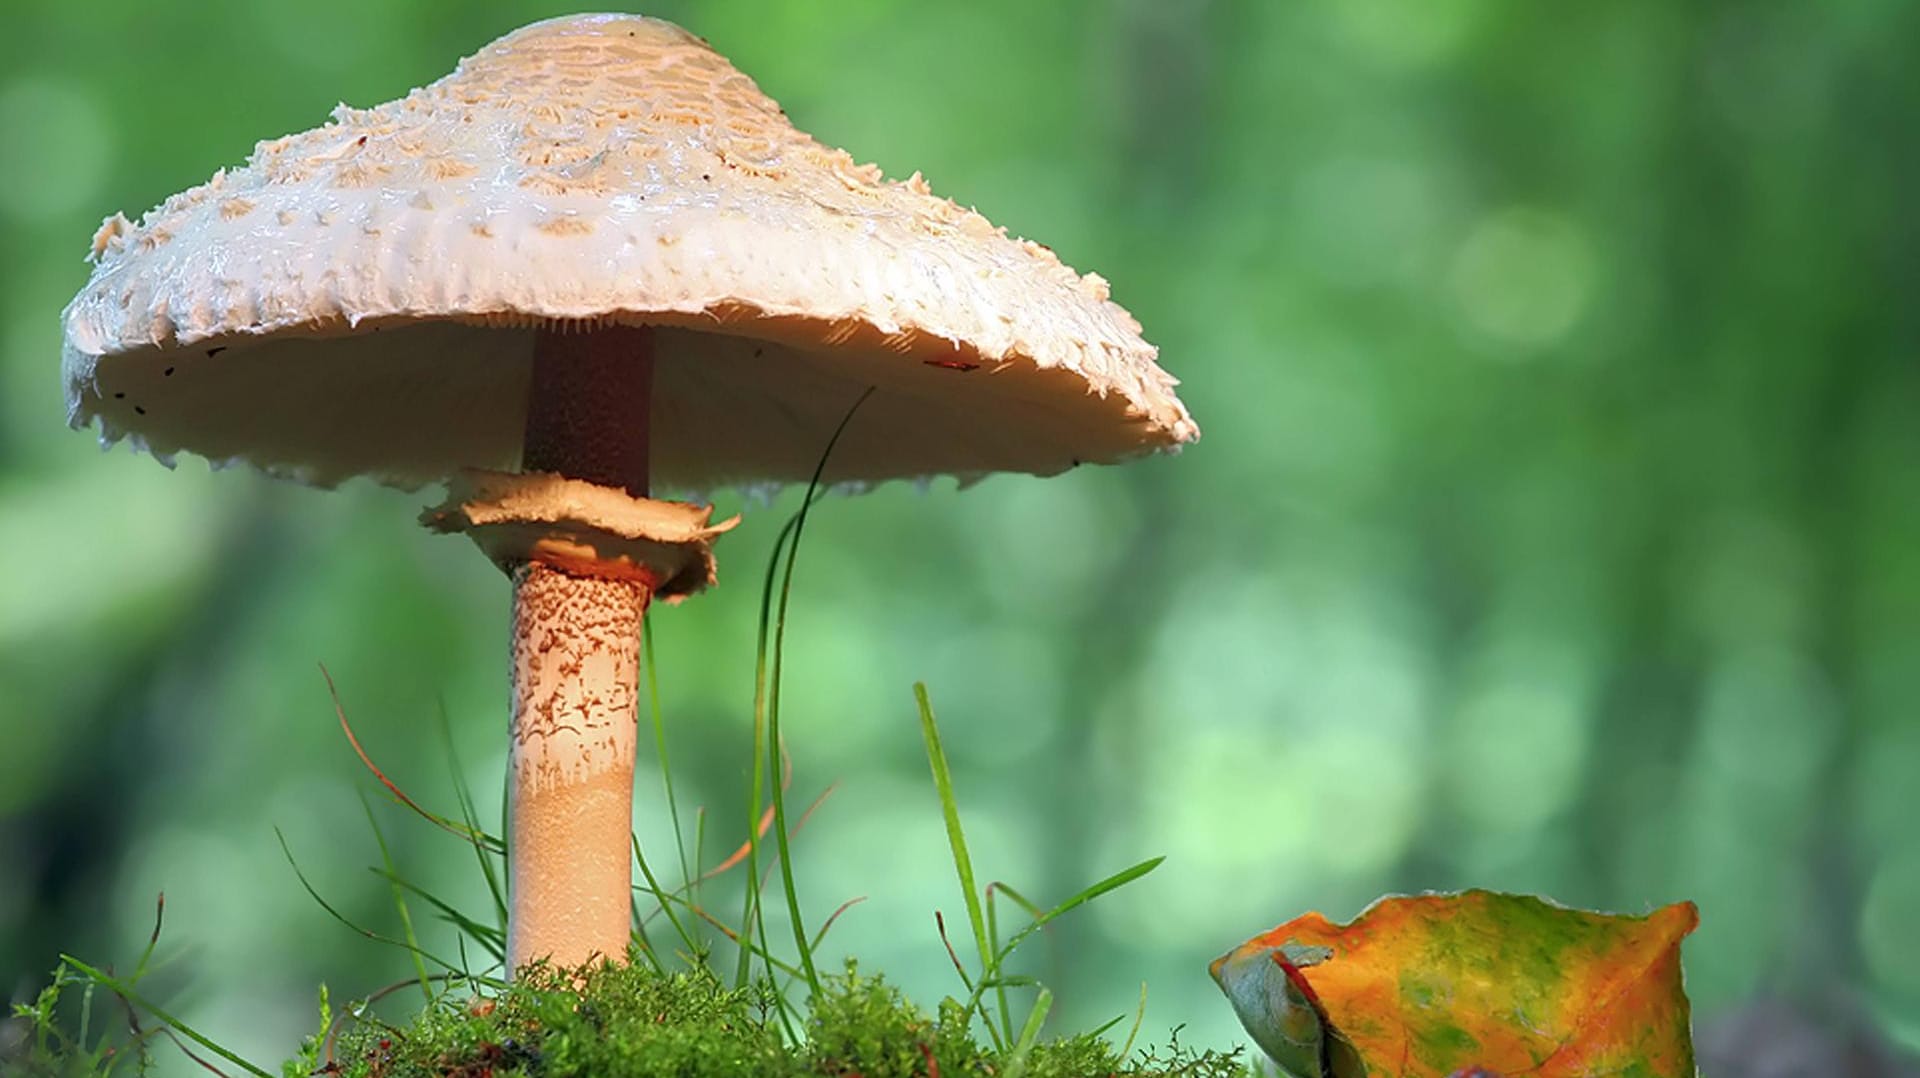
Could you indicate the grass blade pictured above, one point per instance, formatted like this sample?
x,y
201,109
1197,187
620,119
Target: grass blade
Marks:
x,y
1018,899
660,742
780,833
1139,1016
336,914
153,940
766,710
749,915
956,836
126,992
86,1014
340,712
687,939
699,851
484,844
835,916
1017,1065
993,939
740,939
1111,883
991,979
399,899
487,936
940,925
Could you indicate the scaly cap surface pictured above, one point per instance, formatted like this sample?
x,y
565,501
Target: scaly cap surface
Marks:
x,y
362,298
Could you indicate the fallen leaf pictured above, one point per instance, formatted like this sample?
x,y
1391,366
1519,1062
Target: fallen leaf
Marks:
x,y
1437,985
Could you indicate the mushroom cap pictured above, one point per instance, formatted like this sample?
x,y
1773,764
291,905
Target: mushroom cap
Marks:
x,y
362,299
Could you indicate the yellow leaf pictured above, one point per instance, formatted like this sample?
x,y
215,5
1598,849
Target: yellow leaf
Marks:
x,y
1434,984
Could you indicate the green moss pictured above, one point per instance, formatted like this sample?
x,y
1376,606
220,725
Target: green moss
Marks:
x,y
631,1022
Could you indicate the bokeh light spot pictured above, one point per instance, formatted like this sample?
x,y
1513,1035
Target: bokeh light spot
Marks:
x,y
1225,653
85,573
1517,743
1407,32
1767,727
1287,750
1524,276
1005,688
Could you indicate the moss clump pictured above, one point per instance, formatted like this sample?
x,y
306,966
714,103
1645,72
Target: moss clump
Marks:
x,y
632,1022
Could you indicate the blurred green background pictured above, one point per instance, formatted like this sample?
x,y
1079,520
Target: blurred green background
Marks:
x,y
1555,527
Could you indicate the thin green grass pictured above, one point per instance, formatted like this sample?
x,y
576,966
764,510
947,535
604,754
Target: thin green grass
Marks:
x,y
962,859
126,990
557,1023
649,1019
660,741
399,890
780,830
486,848
980,910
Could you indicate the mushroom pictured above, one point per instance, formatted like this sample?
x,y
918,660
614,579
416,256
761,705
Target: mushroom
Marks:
x,y
593,259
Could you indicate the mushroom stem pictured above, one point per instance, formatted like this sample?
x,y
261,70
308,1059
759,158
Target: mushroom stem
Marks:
x,y
576,660
576,655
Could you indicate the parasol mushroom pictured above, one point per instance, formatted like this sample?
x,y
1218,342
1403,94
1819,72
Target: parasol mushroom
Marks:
x,y
593,259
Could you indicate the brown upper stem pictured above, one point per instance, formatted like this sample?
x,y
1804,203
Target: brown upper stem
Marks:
x,y
588,403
